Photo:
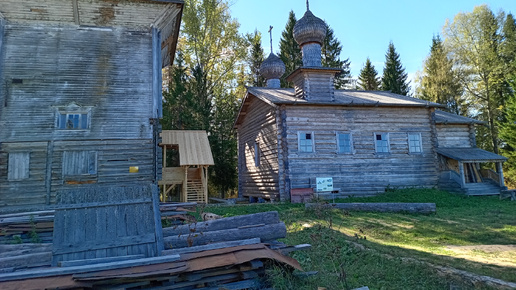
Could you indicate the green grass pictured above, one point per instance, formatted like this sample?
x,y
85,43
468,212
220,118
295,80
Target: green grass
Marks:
x,y
353,249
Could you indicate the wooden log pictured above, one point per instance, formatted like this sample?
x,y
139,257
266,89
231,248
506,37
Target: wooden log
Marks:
x,y
423,208
27,260
210,247
271,217
265,233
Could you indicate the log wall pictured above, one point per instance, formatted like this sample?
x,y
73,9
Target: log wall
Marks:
x,y
455,135
258,127
364,171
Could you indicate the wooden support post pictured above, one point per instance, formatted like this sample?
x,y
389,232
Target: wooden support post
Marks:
x,y
462,177
205,182
185,185
500,173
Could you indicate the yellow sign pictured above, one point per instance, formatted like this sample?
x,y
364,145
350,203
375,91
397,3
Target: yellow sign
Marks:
x,y
133,169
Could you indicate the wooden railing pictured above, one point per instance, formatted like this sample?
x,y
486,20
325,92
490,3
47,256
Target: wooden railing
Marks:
x,y
490,174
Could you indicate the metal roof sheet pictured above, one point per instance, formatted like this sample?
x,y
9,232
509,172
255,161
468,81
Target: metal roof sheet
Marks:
x,y
470,155
442,117
194,147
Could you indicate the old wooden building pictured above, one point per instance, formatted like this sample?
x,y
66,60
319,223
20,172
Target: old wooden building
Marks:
x,y
363,141
80,95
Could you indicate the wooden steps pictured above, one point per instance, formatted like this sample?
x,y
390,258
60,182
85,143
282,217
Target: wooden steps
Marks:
x,y
195,192
484,188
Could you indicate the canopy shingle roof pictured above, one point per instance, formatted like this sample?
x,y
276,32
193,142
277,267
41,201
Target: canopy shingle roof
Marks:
x,y
470,155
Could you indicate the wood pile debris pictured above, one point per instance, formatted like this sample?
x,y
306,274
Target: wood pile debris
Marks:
x,y
27,227
225,253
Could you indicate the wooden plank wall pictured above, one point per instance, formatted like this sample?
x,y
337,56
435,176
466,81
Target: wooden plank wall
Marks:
x,y
364,172
100,222
454,135
135,14
106,71
258,126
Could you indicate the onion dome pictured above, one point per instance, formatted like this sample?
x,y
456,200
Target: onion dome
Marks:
x,y
309,29
272,68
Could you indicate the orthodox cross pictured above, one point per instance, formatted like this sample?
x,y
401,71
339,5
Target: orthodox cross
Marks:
x,y
270,34
307,5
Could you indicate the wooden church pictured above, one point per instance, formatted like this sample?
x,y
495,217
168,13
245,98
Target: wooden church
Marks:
x,y
363,141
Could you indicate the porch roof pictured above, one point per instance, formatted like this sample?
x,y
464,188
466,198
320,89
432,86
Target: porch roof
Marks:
x,y
470,155
442,117
194,148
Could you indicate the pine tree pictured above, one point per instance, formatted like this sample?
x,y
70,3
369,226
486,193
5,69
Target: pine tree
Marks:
x,y
368,79
255,58
330,54
439,82
508,136
290,53
394,77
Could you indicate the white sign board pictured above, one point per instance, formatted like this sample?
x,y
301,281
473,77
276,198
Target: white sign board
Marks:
x,y
324,184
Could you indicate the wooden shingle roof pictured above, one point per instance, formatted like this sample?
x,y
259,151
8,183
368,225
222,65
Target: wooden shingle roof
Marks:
x,y
470,155
342,97
442,117
194,148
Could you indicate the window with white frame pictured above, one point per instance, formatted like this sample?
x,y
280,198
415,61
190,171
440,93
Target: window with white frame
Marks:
x,y
73,117
381,142
256,154
18,166
72,121
344,143
306,141
79,163
414,142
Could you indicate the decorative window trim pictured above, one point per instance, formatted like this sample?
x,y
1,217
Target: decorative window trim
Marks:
x,y
351,148
257,154
415,148
384,137
73,117
303,147
18,167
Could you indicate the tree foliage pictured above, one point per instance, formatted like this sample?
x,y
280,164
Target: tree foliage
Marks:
x,y
394,77
439,82
204,87
330,57
255,58
290,53
475,40
368,79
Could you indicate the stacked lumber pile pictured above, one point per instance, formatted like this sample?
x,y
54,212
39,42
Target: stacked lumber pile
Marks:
x,y
226,253
177,213
27,227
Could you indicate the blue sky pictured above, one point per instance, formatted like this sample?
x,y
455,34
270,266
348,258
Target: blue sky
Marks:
x,y
365,27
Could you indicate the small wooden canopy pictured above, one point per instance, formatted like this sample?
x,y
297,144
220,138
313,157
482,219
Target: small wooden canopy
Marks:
x,y
194,148
470,155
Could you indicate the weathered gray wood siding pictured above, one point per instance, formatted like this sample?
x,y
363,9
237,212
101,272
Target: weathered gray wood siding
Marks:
x,y
364,171
455,135
107,72
259,126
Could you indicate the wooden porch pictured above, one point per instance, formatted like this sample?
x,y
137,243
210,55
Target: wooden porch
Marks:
x,y
186,158
461,171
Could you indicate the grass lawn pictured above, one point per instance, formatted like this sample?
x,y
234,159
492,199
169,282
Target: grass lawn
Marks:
x,y
385,250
